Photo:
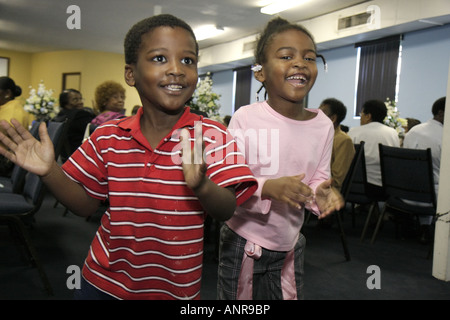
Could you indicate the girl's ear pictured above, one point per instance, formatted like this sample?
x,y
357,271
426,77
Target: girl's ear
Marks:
x,y
129,75
259,75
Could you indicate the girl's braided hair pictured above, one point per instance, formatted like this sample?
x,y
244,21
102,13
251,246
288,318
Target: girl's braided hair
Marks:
x,y
274,27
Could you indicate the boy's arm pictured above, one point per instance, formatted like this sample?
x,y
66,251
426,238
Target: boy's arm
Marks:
x,y
217,201
70,193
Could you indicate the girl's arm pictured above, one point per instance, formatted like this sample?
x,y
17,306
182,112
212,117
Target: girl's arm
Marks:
x,y
38,157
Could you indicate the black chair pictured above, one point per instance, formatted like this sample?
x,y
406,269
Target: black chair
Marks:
x,y
16,181
357,190
18,210
346,188
407,174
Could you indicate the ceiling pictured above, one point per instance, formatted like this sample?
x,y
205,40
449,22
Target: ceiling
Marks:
x,y
40,25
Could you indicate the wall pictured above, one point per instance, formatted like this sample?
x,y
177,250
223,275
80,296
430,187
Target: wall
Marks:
x,y
338,82
19,68
223,85
423,77
95,67
29,69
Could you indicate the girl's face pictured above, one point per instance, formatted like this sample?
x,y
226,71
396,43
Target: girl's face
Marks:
x,y
290,69
165,74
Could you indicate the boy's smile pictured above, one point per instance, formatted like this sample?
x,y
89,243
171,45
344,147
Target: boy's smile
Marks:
x,y
165,74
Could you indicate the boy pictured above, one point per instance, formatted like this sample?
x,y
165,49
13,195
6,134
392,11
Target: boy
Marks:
x,y
150,242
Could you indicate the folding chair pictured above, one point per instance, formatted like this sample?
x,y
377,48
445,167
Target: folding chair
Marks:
x,y
407,176
357,190
18,210
15,182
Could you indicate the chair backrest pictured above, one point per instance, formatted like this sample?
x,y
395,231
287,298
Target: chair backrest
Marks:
x,y
357,180
18,173
57,133
34,189
407,174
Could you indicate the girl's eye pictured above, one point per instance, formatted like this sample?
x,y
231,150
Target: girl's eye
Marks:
x,y
310,59
286,57
159,59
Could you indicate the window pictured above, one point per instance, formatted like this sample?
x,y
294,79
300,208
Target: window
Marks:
x,y
378,68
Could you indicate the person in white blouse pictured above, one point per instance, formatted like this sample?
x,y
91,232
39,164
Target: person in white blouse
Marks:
x,y
373,132
429,135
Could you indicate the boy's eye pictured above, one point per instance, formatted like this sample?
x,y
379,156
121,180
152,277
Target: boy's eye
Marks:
x,y
187,60
286,57
159,59
311,59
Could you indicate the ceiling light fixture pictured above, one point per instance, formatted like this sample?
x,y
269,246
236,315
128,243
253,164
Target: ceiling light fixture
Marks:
x,y
207,31
281,5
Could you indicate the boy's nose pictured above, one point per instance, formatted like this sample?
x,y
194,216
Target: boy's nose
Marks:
x,y
175,68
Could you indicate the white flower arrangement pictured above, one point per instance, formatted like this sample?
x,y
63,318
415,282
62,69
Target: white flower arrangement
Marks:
x,y
41,103
204,99
393,119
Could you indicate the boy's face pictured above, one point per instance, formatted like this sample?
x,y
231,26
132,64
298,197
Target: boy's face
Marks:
x,y
290,69
165,74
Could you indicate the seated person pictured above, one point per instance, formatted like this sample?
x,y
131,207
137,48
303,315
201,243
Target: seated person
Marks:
x,y
72,108
373,132
429,135
343,148
10,107
110,102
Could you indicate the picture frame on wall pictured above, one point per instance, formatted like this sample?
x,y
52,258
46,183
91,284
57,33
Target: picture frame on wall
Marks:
x,y
71,80
4,67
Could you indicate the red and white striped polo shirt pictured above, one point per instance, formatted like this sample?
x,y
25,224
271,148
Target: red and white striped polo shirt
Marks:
x,y
150,242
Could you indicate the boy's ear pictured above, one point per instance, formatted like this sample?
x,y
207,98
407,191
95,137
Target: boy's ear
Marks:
x,y
129,75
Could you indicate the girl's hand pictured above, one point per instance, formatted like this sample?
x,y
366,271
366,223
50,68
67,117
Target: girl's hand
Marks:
x,y
23,149
194,166
328,199
290,190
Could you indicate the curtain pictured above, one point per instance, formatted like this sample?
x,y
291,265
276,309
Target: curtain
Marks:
x,y
377,70
243,86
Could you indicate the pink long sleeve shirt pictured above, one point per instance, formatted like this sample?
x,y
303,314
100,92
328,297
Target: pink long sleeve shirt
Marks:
x,y
274,147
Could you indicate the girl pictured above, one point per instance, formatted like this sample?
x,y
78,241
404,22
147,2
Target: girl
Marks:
x,y
261,249
150,242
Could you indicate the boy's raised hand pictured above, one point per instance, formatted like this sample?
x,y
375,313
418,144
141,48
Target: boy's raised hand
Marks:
x,y
194,167
328,199
23,149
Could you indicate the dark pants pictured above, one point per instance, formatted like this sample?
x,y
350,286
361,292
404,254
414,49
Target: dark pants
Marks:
x,y
89,292
266,270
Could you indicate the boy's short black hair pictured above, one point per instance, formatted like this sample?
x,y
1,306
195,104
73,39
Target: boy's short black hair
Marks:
x,y
336,108
133,38
376,108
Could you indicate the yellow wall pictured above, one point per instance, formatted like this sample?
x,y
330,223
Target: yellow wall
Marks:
x,y
19,68
95,67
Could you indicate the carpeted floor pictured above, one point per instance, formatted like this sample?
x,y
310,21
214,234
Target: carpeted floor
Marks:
x,y
402,271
